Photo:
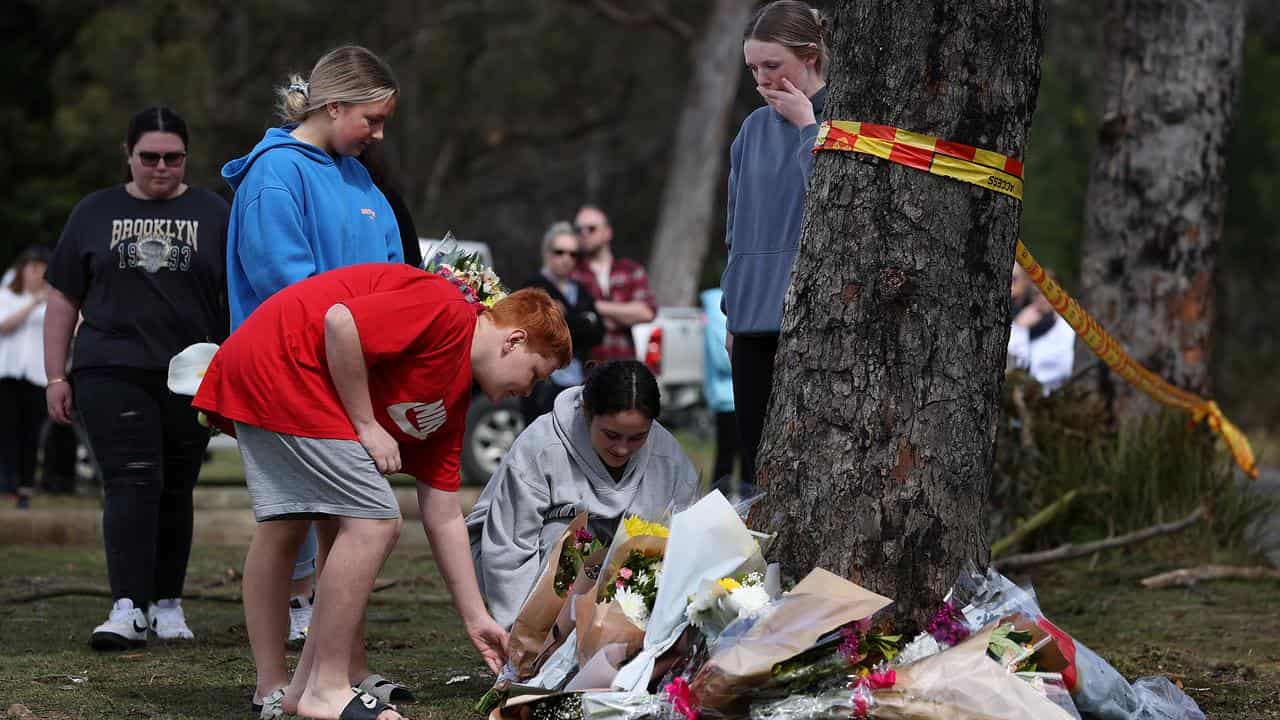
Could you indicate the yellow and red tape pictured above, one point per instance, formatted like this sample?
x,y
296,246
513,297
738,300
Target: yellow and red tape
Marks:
x,y
1002,174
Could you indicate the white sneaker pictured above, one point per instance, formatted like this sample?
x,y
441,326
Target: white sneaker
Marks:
x,y
126,627
168,622
300,617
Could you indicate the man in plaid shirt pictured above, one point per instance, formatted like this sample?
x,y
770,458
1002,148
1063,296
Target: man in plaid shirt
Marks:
x,y
620,286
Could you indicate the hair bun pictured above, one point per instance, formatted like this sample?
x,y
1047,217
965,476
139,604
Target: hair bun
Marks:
x,y
820,19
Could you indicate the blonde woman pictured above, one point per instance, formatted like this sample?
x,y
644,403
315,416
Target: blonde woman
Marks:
x,y
304,204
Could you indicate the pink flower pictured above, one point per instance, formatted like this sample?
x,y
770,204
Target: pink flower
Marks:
x,y
625,573
881,678
850,644
682,698
584,536
619,584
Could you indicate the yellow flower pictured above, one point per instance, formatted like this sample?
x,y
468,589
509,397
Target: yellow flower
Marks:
x,y
729,584
636,527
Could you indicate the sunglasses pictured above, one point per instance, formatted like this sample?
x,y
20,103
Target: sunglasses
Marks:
x,y
557,252
585,229
171,159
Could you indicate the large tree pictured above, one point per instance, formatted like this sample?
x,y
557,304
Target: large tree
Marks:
x,y
878,447
1157,184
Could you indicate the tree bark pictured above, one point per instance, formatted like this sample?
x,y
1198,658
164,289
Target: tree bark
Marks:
x,y
1157,185
879,442
683,235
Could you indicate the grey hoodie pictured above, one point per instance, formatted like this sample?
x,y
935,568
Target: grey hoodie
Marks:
x,y
769,165
552,472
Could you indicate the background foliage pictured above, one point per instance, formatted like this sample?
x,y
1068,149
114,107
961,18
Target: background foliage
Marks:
x,y
515,111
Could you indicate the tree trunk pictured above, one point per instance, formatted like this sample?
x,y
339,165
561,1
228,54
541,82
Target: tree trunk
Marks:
x,y
1157,185
683,235
879,442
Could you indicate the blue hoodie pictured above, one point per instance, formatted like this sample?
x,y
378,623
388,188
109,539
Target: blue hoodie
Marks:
x,y
299,211
717,383
769,166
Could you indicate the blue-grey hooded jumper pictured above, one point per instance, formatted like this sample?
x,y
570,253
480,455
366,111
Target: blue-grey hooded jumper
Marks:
x,y
769,166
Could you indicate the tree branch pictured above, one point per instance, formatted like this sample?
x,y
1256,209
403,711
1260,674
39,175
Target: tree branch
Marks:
x,y
1190,576
656,14
1070,551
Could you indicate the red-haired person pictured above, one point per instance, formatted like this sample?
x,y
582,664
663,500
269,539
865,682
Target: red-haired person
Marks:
x,y
334,383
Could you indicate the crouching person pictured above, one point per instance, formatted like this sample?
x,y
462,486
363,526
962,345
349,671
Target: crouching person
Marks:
x,y
332,384
602,450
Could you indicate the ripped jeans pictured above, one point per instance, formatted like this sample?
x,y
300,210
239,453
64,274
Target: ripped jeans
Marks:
x,y
148,448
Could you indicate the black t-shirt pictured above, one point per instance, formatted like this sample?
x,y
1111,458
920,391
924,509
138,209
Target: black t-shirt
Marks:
x,y
149,276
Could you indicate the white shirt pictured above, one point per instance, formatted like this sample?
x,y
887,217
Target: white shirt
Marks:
x,y
22,351
1049,358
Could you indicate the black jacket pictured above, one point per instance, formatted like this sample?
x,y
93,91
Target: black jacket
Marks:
x,y
586,327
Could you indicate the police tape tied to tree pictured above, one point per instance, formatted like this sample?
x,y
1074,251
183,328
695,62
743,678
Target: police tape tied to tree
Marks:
x,y
998,173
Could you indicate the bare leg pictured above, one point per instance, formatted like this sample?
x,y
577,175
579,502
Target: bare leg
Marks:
x,y
342,596
359,654
326,530
267,569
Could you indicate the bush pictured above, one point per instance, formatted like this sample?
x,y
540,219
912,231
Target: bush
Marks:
x,y
1145,471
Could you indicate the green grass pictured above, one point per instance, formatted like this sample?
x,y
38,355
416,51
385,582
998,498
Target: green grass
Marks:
x,y
1221,641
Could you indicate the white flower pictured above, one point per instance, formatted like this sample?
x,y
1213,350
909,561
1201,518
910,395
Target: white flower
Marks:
x,y
633,607
918,649
657,575
747,600
187,368
700,603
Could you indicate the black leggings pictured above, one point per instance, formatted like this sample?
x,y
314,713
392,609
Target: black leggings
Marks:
x,y
148,447
22,416
752,382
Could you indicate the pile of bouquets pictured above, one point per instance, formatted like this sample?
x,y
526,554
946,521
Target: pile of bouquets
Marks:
x,y
720,641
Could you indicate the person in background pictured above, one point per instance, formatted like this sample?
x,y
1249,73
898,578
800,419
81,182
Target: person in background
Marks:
x,y
559,255
1040,341
601,450
144,264
619,286
304,204
717,388
337,382
769,165
376,164
22,378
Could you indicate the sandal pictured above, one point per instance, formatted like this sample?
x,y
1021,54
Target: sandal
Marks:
x,y
271,707
385,690
364,706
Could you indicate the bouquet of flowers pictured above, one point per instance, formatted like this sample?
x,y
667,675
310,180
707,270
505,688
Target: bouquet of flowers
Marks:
x,y
719,603
803,626
478,282
725,549
611,621
545,622
960,683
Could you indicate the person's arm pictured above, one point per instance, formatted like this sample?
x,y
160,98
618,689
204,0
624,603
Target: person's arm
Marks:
x,y
625,314
59,323
15,319
351,379
446,531
638,306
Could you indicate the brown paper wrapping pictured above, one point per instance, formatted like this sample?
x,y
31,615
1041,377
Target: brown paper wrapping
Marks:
x,y
536,634
819,604
962,683
603,623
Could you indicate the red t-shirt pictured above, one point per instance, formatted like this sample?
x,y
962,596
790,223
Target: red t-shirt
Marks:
x,y
415,329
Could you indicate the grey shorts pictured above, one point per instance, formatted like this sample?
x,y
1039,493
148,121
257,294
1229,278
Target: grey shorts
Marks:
x,y
291,475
